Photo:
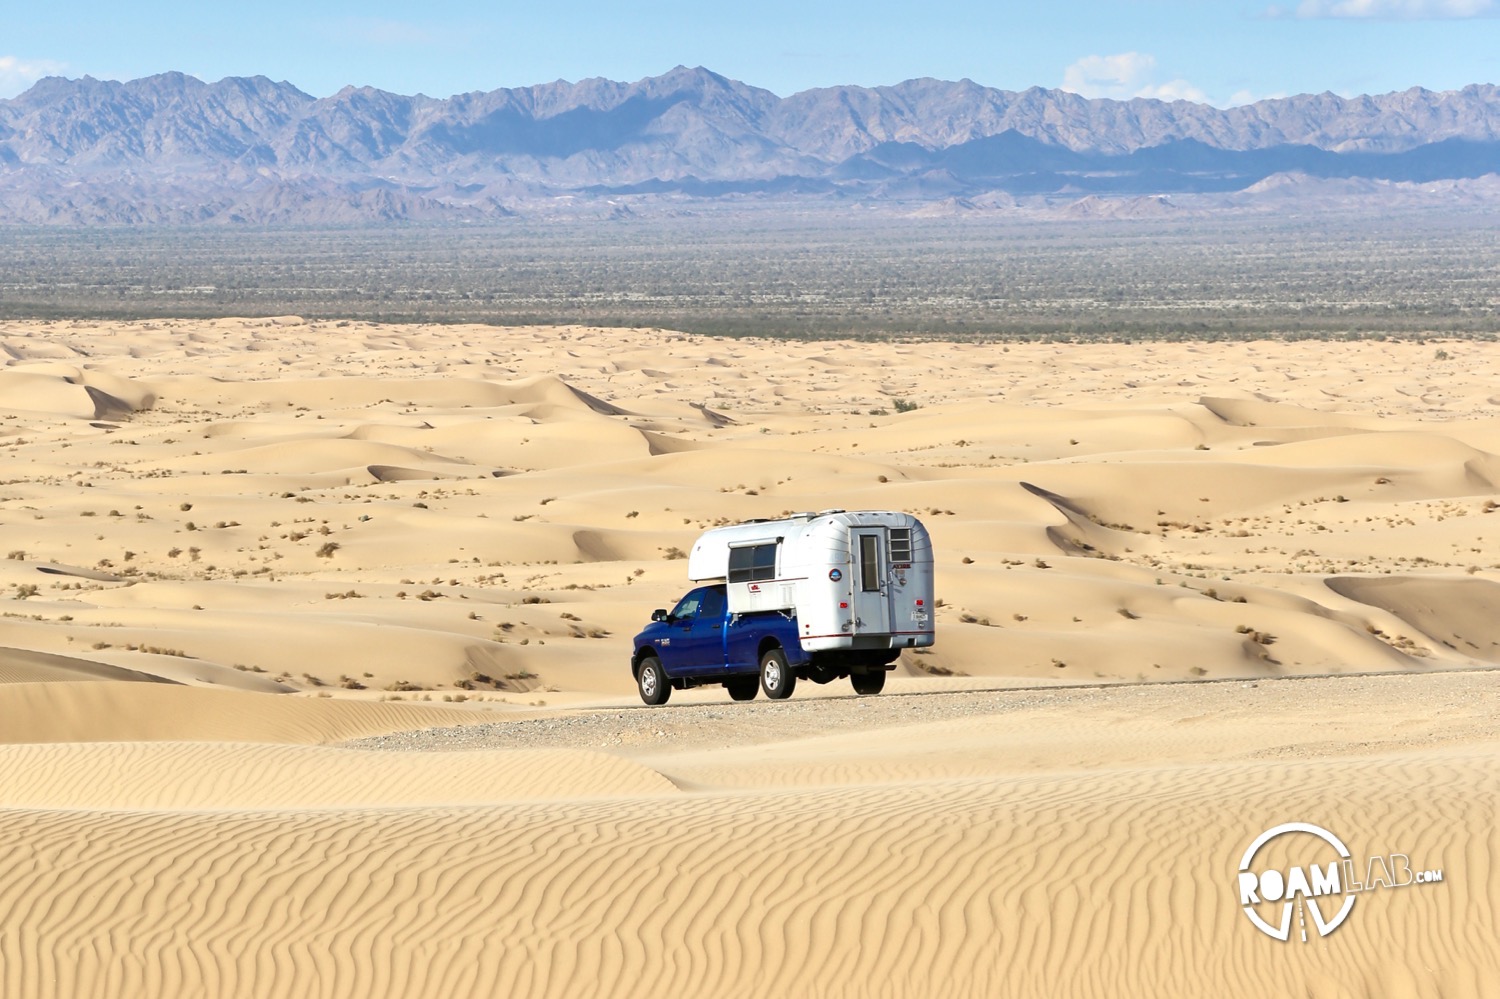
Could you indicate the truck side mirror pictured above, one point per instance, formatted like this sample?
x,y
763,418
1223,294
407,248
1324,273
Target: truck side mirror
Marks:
x,y
659,614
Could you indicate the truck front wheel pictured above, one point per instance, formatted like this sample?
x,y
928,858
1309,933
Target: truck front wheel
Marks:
x,y
653,683
868,683
776,677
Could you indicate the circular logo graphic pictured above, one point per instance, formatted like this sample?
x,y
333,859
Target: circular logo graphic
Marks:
x,y
835,574
1303,888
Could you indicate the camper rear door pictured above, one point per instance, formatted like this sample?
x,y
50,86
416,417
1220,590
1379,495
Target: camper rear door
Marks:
x,y
871,599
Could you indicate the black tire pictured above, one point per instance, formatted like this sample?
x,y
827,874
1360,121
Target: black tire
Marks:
x,y
652,682
868,683
743,688
776,677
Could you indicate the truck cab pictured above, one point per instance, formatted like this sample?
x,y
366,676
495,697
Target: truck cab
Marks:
x,y
691,635
815,596
699,642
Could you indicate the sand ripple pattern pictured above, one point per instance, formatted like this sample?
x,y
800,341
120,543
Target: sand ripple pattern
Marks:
x,y
178,775
1104,884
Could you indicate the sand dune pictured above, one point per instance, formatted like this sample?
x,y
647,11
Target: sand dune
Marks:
x,y
230,777
26,666
1458,613
141,712
1060,885
350,391
234,544
310,456
57,395
468,466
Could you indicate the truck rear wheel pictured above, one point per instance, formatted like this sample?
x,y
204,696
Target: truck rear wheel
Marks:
x,y
743,688
652,682
868,683
776,677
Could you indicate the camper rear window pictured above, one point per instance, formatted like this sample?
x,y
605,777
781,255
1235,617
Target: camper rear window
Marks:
x,y
901,546
752,563
869,563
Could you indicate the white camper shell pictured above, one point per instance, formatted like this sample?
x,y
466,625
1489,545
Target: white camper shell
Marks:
x,y
855,580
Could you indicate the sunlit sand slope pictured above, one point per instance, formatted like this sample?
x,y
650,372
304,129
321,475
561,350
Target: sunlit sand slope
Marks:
x,y
149,712
1051,884
412,511
229,776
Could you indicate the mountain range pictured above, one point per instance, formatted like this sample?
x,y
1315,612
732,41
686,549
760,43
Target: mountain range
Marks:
x,y
173,149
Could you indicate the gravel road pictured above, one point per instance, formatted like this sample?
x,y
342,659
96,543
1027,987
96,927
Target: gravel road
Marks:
x,y
717,725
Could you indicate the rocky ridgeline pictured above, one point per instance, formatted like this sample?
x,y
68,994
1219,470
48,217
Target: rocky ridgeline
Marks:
x,y
173,149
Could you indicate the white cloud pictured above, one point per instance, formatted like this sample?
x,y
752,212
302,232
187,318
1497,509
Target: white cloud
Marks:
x,y
1123,76
1108,76
1243,97
1395,9
17,74
1174,90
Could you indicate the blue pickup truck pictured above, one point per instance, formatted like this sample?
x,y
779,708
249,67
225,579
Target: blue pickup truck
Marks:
x,y
699,642
816,596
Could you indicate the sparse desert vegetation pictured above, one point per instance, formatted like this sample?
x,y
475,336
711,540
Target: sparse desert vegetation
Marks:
x,y
816,272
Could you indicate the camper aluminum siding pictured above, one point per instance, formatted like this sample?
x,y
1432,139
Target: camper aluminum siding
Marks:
x,y
854,580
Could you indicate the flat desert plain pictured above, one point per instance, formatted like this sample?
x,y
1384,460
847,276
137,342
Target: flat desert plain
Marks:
x,y
314,678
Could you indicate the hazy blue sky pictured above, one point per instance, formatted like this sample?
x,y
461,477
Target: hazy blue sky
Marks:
x,y
1222,52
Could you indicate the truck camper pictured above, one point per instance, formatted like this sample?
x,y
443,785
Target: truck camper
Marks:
x,y
816,596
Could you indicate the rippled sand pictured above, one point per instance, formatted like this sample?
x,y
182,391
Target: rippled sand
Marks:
x,y
234,544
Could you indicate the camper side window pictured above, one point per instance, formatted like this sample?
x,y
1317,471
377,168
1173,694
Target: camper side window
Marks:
x,y
901,546
752,563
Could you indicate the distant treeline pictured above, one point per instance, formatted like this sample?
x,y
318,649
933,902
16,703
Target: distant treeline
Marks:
x,y
815,276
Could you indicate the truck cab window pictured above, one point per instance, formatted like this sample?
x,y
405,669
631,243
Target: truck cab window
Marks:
x,y
688,606
711,607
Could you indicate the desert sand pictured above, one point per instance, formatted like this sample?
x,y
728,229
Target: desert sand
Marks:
x,y
1189,592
